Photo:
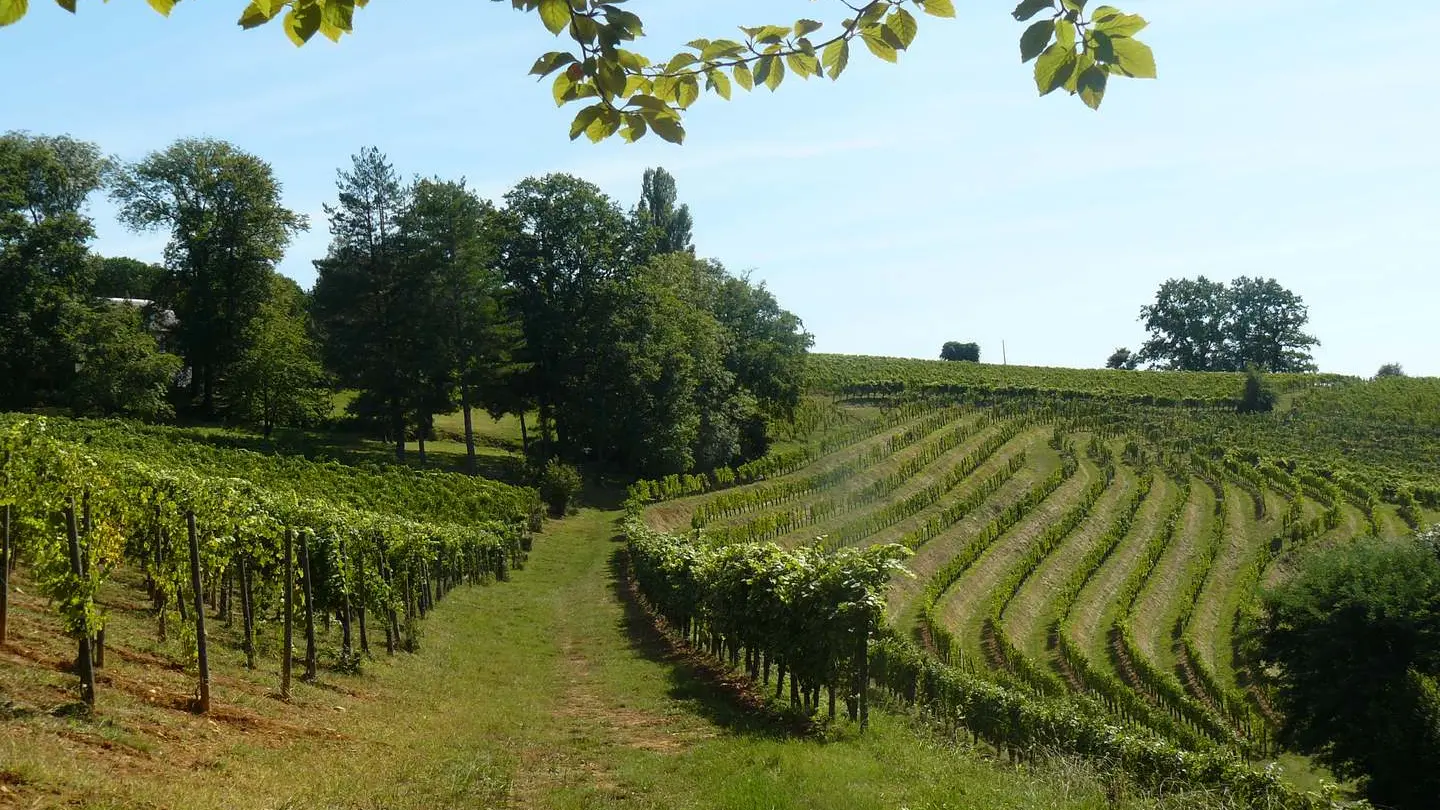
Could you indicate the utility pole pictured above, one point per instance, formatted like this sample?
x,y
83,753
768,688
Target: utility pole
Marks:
x,y
1004,358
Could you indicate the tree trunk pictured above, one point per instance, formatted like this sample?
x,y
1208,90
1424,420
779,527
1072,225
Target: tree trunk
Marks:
x,y
84,666
364,593
4,569
524,436
309,607
397,424
862,678
420,432
247,616
204,660
285,655
469,430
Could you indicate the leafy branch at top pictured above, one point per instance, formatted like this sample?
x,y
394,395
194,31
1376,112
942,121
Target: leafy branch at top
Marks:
x,y
631,94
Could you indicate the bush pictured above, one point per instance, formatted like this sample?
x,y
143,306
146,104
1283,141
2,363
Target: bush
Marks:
x,y
1258,396
559,484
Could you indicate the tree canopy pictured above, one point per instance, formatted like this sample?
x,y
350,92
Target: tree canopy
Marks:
x,y
1074,49
1355,638
1203,325
955,350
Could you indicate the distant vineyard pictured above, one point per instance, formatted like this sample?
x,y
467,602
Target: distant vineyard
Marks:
x,y
1085,555
863,376
288,540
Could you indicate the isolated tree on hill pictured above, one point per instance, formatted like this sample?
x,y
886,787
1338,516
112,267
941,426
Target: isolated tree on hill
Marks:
x,y
1257,396
1124,359
1390,370
1203,325
228,230
957,351
630,94
370,316
1354,636
657,211
45,269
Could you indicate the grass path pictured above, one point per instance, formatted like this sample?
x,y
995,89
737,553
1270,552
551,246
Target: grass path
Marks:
x,y
549,691
1245,540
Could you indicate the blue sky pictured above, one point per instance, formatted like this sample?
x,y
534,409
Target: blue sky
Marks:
x,y
901,207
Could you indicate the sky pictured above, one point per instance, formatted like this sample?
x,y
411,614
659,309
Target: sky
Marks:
x,y
901,207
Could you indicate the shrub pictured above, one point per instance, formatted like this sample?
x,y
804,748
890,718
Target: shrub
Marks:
x,y
559,484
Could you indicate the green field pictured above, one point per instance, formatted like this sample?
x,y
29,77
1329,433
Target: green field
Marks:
x,y
1081,550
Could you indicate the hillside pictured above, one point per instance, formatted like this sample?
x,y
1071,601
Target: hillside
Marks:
x,y
1084,542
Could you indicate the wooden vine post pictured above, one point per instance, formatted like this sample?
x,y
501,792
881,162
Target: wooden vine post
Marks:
x,y
195,584
289,615
247,614
4,569
309,608
84,664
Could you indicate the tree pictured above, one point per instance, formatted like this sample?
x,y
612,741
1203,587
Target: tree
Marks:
x,y
45,268
368,314
119,369
1072,50
278,379
228,230
1355,638
957,351
563,241
123,277
1202,325
1123,359
657,211
450,239
1257,396
1390,370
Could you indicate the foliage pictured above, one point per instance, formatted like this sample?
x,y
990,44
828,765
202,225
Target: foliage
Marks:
x,y
1355,636
123,277
278,379
1258,397
1202,325
559,484
120,370
44,267
1122,359
954,350
228,230
658,212
634,94
1390,370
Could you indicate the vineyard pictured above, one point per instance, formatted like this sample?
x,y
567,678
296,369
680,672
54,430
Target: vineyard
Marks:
x,y
1069,560
275,547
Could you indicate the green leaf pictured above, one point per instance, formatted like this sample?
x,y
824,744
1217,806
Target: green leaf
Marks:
x,y
803,65
717,80
633,128
1036,39
610,77
807,27
604,125
556,15
337,18
1117,23
1029,8
68,5
301,23
687,91
668,128
836,57
254,16
679,62
903,24
12,10
1053,68
163,6
1134,58
938,8
584,119
1065,34
1092,86
743,76
1102,45
875,40
770,71
549,63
